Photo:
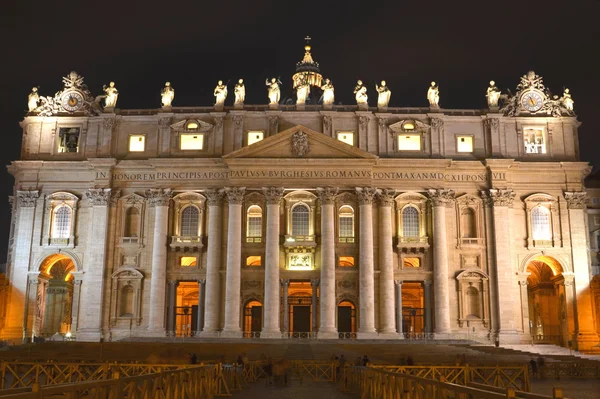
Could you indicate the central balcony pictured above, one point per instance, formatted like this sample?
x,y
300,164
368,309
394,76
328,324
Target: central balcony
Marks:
x,y
186,243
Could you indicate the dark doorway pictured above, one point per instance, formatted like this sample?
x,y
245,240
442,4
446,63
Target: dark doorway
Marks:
x,y
256,318
194,317
344,319
301,319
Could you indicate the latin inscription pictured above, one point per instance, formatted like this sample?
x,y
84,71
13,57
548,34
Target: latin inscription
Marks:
x,y
299,174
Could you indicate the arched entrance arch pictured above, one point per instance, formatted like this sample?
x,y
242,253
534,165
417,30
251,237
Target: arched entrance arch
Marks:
x,y
252,318
547,300
346,318
54,297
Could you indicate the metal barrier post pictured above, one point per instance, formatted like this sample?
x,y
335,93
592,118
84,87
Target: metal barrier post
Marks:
x,y
557,393
510,393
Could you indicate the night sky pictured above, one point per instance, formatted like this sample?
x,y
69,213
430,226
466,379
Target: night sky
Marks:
x,y
462,45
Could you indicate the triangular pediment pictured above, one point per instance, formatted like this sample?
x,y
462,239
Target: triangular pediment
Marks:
x,y
300,142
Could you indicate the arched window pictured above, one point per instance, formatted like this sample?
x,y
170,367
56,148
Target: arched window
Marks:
x,y
473,302
467,219
300,220
254,223
126,305
61,222
346,215
410,222
189,221
540,223
132,222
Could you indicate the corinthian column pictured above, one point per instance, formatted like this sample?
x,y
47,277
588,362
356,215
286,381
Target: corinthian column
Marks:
x,y
327,328
584,323
365,264
16,320
503,277
387,321
271,327
159,199
235,197
440,199
213,264
92,296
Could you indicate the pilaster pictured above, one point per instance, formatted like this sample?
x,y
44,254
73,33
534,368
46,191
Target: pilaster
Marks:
x,y
387,322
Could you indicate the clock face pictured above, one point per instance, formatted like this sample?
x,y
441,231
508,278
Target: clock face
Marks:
x,y
72,101
532,101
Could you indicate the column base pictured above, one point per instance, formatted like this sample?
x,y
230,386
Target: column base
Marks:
x,y
209,334
88,335
274,334
367,335
390,335
586,341
331,334
231,334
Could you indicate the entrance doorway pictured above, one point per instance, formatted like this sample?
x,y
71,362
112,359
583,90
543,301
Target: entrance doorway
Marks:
x,y
252,318
54,298
413,312
186,311
300,307
547,301
346,319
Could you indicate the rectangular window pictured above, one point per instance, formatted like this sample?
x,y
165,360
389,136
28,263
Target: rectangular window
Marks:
x,y
255,226
68,139
255,137
346,226
464,144
254,261
534,140
346,261
597,220
191,141
187,261
346,137
137,143
409,142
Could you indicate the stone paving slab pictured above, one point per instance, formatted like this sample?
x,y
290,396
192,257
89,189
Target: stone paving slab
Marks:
x,y
295,390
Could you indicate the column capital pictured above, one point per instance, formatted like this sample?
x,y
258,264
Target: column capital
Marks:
x,y
365,195
159,196
235,195
569,278
327,195
398,282
202,281
523,278
427,283
440,197
273,194
498,197
576,199
284,282
174,282
386,196
214,196
98,196
314,282
27,199
114,198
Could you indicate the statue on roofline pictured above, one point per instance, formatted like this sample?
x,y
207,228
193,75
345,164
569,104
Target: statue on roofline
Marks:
x,y
240,92
33,99
220,94
273,90
383,99
360,92
567,101
433,95
302,89
328,95
493,95
167,95
111,92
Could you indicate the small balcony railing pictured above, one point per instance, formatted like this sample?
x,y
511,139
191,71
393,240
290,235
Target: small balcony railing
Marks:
x,y
346,240
186,242
300,241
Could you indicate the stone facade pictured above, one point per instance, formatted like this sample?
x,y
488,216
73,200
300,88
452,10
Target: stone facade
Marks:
x,y
337,223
